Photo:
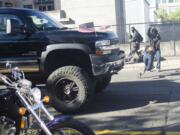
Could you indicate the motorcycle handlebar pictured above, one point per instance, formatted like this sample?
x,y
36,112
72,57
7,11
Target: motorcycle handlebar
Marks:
x,y
16,73
6,80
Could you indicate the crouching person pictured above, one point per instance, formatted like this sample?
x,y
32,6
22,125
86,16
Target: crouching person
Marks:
x,y
147,58
148,53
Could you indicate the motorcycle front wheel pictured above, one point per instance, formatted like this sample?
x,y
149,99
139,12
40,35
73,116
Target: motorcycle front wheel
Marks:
x,y
71,127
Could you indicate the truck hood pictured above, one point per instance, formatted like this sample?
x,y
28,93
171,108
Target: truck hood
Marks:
x,y
74,36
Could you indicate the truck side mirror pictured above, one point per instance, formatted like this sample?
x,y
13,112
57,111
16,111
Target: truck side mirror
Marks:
x,y
13,27
8,26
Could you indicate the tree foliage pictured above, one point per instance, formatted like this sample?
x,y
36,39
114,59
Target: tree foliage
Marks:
x,y
171,17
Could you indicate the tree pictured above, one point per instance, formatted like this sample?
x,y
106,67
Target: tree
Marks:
x,y
171,17
162,14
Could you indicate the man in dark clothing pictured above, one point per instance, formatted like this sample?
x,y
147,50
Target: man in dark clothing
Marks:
x,y
135,38
155,38
149,34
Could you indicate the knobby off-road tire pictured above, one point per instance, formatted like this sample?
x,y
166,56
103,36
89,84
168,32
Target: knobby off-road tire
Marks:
x,y
69,88
102,83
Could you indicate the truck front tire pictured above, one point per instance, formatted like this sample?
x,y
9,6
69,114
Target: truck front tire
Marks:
x,y
102,83
69,88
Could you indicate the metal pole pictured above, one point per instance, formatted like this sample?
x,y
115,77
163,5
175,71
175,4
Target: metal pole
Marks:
x,y
174,39
28,106
128,37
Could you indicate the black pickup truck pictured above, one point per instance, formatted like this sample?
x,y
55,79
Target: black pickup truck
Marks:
x,y
74,64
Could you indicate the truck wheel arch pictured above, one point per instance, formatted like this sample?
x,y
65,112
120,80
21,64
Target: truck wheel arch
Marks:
x,y
50,49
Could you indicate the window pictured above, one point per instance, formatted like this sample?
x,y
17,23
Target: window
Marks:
x,y
171,1
0,3
50,7
7,4
43,22
3,20
28,6
163,1
42,8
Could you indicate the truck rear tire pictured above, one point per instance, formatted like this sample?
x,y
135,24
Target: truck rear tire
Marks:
x,y
102,83
69,88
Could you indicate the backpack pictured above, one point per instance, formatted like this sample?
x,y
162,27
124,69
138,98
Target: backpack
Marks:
x,y
140,37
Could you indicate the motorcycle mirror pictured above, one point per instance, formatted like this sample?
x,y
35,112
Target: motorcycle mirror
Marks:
x,y
16,69
8,64
17,73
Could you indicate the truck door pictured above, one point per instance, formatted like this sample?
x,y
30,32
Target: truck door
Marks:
x,y
18,48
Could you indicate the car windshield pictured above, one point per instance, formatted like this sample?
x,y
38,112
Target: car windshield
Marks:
x,y
44,22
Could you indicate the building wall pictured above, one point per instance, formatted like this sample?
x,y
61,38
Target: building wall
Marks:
x,y
170,7
23,3
152,14
137,11
55,4
154,5
101,12
9,3
134,11
167,5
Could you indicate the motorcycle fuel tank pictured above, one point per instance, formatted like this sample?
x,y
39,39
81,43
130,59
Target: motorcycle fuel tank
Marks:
x,y
6,99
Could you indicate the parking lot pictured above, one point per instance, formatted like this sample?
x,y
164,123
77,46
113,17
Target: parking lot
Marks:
x,y
132,105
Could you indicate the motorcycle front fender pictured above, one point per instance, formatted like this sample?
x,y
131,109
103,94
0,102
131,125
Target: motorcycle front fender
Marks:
x,y
57,120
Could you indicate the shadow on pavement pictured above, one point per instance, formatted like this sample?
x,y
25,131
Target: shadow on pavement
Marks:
x,y
162,74
141,104
128,95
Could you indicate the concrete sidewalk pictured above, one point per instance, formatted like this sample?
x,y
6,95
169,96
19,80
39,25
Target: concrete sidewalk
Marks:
x,y
167,63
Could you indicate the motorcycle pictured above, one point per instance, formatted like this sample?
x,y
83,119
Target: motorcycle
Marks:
x,y
22,105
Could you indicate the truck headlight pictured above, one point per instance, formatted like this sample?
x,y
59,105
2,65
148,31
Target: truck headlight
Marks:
x,y
102,43
36,93
102,47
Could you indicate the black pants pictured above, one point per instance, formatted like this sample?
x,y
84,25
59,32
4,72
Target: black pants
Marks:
x,y
135,48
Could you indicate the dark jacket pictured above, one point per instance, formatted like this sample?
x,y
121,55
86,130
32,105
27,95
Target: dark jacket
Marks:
x,y
154,38
136,37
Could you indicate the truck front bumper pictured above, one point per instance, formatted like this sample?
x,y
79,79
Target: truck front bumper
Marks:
x,y
107,64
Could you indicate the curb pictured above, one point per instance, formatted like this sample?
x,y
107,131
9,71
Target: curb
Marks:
x,y
169,63
116,132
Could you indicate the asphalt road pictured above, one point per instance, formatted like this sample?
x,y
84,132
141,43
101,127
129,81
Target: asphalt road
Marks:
x,y
133,105
150,103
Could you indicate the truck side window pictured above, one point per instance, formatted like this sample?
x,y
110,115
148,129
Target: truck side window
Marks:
x,y
3,20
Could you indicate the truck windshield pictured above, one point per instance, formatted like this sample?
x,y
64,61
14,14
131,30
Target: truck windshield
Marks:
x,y
44,22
